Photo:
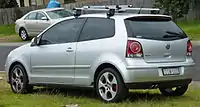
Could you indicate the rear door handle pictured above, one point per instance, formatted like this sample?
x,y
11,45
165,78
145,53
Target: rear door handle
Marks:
x,y
69,49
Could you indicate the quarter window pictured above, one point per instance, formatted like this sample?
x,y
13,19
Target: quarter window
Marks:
x,y
31,16
98,28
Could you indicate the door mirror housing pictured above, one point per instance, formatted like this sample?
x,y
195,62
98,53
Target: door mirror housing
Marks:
x,y
35,41
44,18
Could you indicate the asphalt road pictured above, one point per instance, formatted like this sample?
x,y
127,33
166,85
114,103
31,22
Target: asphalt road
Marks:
x,y
4,51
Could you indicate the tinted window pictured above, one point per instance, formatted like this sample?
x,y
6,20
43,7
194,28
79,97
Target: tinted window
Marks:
x,y
59,14
64,32
152,28
98,28
31,16
40,15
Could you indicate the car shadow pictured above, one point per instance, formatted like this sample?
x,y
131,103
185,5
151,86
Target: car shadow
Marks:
x,y
90,93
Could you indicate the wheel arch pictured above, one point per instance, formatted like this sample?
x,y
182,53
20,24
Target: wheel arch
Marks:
x,y
11,67
22,27
107,65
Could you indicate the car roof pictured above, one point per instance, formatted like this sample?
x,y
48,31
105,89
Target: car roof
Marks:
x,y
47,9
122,15
116,16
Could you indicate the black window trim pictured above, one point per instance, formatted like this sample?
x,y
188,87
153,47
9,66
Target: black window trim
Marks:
x,y
76,39
95,39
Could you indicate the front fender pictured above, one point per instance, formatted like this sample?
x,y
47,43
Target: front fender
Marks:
x,y
23,59
19,26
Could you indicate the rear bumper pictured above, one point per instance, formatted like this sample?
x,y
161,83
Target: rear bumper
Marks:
x,y
158,84
152,73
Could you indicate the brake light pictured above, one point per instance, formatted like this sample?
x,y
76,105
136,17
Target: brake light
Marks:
x,y
134,49
189,48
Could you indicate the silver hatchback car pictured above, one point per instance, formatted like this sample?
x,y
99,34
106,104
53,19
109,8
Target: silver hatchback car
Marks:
x,y
111,53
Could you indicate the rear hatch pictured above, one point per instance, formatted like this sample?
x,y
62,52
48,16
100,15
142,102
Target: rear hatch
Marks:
x,y
161,39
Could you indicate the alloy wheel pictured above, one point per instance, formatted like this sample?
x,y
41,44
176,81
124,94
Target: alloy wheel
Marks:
x,y
23,35
17,80
108,86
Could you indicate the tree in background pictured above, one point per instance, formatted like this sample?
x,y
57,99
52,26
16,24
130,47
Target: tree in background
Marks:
x,y
196,8
8,3
175,8
196,3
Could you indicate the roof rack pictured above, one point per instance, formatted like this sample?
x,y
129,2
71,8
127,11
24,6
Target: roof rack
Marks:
x,y
109,6
112,9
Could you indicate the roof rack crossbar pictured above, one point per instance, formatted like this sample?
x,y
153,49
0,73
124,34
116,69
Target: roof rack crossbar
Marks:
x,y
119,7
112,9
79,11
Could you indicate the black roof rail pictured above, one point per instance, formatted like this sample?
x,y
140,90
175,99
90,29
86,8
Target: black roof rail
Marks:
x,y
110,13
77,12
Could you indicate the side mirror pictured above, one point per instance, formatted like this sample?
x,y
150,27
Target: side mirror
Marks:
x,y
44,18
35,41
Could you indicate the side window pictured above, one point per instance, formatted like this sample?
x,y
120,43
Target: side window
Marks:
x,y
63,32
98,28
31,16
40,15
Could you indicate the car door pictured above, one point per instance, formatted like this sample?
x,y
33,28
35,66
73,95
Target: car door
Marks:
x,y
53,60
42,24
31,23
94,40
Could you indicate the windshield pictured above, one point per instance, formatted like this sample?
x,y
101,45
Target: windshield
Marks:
x,y
56,14
161,29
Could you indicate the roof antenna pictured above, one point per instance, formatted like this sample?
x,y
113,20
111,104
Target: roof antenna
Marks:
x,y
141,7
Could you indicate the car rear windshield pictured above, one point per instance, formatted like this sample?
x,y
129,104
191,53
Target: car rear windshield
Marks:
x,y
156,28
56,14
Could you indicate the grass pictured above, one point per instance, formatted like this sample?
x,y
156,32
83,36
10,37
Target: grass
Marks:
x,y
6,30
192,29
44,97
7,34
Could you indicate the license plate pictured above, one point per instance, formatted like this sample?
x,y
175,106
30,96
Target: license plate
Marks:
x,y
171,71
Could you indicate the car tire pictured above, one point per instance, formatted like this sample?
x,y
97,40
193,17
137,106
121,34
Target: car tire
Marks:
x,y
23,34
109,86
19,80
178,91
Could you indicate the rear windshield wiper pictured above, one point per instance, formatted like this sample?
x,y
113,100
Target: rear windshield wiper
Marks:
x,y
173,34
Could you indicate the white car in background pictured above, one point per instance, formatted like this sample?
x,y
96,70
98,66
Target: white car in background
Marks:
x,y
36,21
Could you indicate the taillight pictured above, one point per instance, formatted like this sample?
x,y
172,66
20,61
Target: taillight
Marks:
x,y
134,49
189,48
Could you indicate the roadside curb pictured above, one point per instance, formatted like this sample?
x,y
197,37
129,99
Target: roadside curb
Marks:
x,y
196,82
13,44
196,43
